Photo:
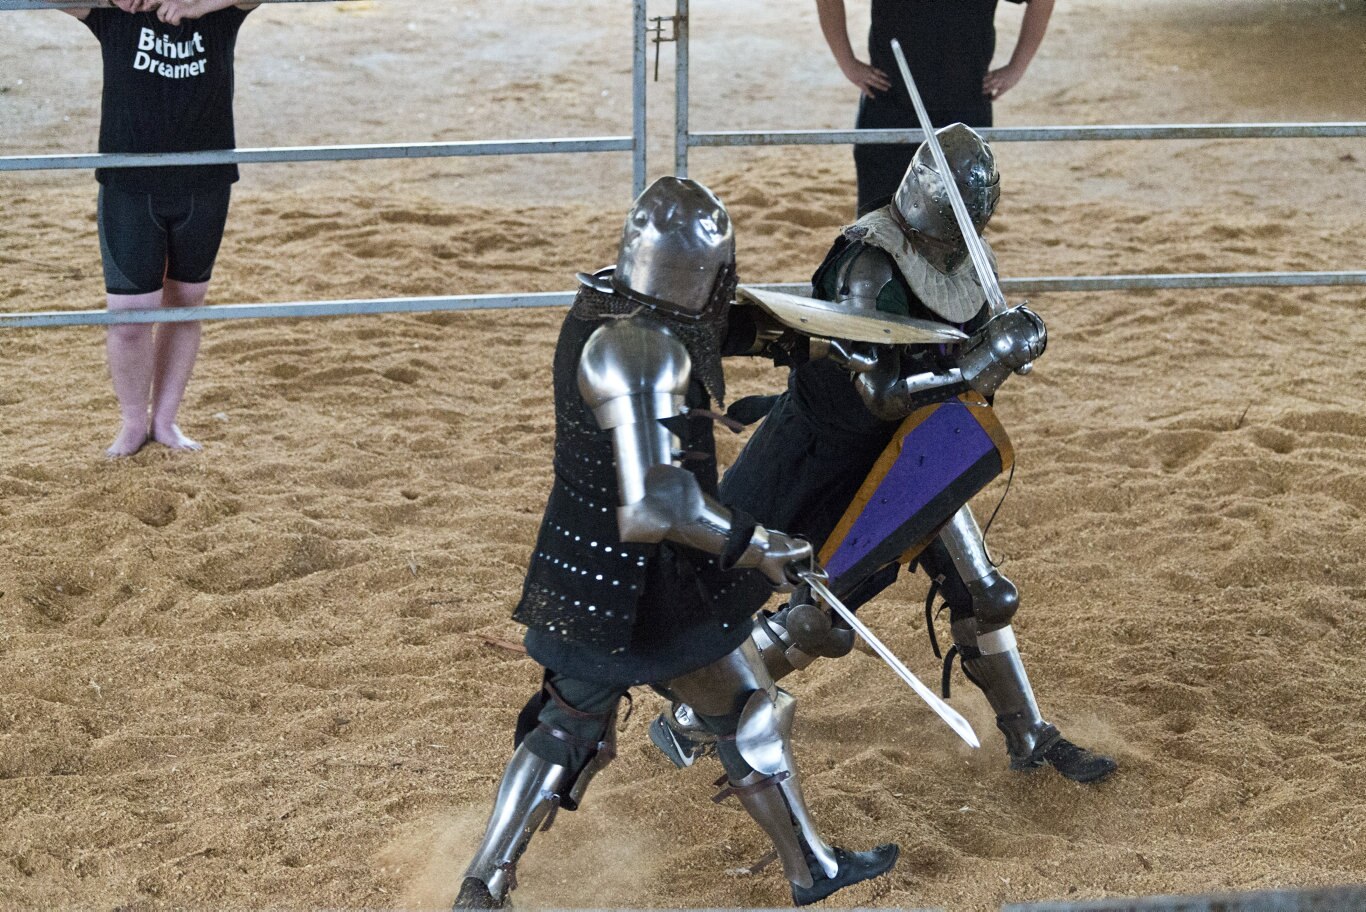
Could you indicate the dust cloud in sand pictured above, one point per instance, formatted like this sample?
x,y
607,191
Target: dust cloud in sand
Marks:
x,y
263,676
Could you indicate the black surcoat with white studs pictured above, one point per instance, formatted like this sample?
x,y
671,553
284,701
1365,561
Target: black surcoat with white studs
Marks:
x,y
623,613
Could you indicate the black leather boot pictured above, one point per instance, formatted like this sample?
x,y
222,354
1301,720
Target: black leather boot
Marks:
x,y
1073,762
474,894
854,867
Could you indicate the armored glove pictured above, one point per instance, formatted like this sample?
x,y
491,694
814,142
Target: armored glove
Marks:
x,y
1010,342
778,555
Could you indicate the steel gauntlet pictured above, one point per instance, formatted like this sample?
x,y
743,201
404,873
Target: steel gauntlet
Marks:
x,y
890,396
774,554
1009,343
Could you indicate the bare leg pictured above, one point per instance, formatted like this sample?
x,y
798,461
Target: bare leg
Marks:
x,y
131,352
177,345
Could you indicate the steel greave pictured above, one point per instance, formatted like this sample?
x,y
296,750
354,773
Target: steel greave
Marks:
x,y
962,538
1000,673
769,808
530,789
764,740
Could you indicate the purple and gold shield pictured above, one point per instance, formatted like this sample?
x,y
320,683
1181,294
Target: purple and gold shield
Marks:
x,y
938,459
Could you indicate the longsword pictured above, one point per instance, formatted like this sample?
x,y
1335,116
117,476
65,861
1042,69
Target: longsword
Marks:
x,y
816,580
986,276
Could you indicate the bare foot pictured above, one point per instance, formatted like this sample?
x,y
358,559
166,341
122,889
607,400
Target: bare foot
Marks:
x,y
132,437
175,439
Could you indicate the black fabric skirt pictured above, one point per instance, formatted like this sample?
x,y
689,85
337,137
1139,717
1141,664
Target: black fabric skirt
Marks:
x,y
689,615
689,652
793,478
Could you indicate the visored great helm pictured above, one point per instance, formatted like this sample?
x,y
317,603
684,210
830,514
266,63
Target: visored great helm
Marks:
x,y
922,205
677,252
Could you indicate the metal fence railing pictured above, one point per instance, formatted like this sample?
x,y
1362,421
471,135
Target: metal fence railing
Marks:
x,y
732,138
684,140
301,309
634,143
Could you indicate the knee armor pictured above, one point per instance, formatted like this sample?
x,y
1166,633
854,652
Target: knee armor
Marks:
x,y
760,771
798,634
994,598
985,640
786,642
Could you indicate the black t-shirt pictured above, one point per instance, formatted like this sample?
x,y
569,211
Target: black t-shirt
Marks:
x,y
948,44
167,88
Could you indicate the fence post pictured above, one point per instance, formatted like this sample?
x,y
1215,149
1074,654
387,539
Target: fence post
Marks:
x,y
640,167
681,90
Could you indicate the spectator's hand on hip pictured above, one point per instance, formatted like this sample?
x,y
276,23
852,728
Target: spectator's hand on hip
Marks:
x,y
869,79
998,82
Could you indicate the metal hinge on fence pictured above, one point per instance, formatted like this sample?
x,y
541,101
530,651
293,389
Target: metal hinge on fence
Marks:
x,y
657,37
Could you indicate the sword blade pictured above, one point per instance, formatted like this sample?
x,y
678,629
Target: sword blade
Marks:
x,y
955,720
986,277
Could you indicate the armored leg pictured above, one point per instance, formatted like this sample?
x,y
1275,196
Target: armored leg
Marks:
x,y
788,641
680,733
735,698
530,791
569,738
982,602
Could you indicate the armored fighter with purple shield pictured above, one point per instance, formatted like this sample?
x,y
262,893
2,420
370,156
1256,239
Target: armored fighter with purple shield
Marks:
x,y
874,450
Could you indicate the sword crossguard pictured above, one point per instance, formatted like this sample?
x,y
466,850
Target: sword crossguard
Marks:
x,y
798,574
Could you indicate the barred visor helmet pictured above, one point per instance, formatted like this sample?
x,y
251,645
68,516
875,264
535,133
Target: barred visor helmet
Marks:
x,y
922,202
677,252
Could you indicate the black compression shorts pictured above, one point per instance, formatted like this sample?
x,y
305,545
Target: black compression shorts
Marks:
x,y
147,238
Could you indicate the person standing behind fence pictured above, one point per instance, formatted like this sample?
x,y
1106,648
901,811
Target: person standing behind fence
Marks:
x,y
168,86
949,44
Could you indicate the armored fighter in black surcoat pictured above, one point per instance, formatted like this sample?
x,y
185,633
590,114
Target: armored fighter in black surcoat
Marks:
x,y
640,575
807,460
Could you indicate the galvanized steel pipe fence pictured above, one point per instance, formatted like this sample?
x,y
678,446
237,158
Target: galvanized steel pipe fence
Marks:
x,y
635,143
684,140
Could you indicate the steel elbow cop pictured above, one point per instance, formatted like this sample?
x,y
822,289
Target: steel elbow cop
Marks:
x,y
634,375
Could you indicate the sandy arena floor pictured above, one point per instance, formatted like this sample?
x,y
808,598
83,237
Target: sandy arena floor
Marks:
x,y
263,677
